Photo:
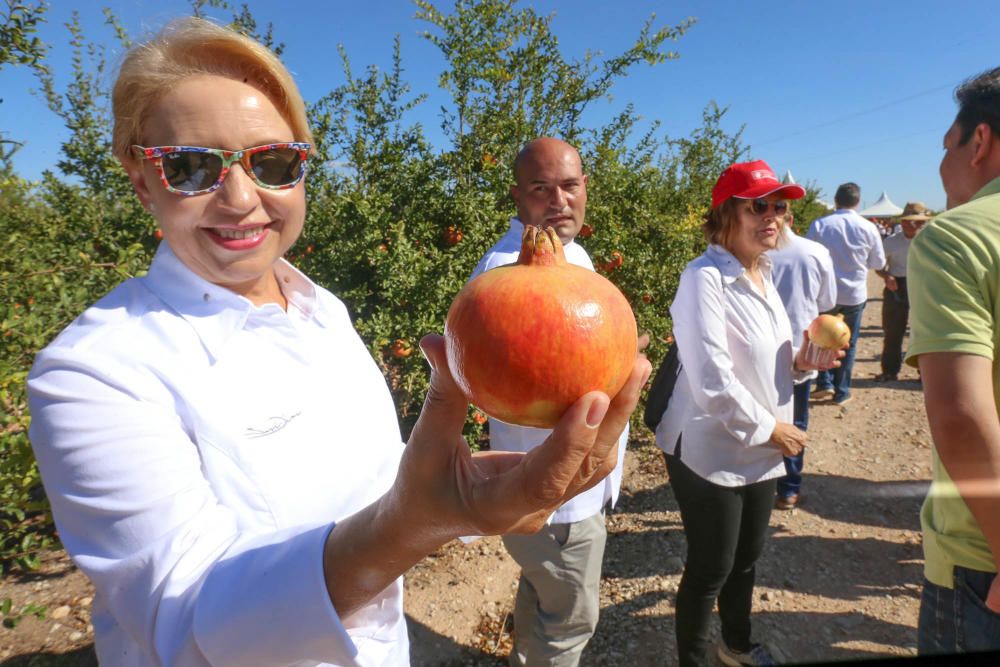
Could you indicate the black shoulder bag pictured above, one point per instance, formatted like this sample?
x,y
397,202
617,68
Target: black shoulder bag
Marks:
x,y
662,387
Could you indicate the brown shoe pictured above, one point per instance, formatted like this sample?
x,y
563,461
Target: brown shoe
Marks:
x,y
886,377
786,502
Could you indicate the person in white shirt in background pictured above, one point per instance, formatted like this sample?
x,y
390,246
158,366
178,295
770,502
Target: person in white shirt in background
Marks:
x,y
802,272
895,298
855,246
729,420
558,596
220,451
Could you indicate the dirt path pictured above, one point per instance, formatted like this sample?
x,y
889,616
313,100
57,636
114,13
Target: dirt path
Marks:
x,y
839,580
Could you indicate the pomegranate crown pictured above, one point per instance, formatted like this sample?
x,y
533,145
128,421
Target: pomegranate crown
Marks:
x,y
541,247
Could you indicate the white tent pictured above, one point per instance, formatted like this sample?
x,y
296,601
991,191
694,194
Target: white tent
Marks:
x,y
883,208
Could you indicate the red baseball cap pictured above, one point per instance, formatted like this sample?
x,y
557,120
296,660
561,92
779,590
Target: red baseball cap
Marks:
x,y
749,180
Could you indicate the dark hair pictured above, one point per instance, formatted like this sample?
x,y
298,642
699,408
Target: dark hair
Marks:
x,y
979,102
848,196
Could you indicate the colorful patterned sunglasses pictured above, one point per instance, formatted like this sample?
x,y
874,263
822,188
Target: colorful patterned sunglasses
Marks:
x,y
192,170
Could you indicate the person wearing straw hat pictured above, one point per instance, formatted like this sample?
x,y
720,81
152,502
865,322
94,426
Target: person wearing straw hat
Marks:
x,y
895,299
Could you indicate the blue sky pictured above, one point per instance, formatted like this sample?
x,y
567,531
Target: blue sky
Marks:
x,y
833,91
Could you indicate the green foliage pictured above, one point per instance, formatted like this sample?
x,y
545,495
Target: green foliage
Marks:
x,y
67,241
11,618
19,45
808,209
395,225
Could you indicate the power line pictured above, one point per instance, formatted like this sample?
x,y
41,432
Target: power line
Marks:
x,y
855,114
849,149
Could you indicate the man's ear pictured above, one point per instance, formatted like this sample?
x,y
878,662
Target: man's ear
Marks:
x,y
515,194
986,147
140,183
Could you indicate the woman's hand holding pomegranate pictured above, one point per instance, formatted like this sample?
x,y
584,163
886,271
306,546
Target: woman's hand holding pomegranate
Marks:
x,y
790,439
448,490
443,490
804,363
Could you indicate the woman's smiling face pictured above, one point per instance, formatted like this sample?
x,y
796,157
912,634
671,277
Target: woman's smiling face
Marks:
x,y
233,236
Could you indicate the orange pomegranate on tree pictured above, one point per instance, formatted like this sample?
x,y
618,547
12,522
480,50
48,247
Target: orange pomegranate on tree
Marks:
x,y
401,348
453,235
526,340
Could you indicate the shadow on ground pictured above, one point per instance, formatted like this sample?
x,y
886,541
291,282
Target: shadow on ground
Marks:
x,y
82,657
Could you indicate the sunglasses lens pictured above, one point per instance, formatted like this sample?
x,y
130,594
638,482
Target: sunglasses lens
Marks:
x,y
276,166
190,171
760,206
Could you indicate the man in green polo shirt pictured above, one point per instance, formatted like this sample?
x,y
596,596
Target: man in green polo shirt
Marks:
x,y
954,275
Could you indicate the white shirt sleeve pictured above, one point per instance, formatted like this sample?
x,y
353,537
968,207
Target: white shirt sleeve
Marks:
x,y
699,317
876,257
826,297
184,579
813,233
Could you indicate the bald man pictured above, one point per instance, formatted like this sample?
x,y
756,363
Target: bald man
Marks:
x,y
558,598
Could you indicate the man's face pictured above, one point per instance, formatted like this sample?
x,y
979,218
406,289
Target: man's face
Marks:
x,y
956,169
551,189
911,227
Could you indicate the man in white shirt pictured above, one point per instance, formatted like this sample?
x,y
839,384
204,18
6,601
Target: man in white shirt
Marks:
x,y
558,598
802,271
855,247
895,299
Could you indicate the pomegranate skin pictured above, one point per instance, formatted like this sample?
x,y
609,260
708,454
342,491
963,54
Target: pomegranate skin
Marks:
x,y
525,341
830,332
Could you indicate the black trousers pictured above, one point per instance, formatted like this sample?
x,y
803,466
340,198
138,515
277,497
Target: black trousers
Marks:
x,y
895,313
726,528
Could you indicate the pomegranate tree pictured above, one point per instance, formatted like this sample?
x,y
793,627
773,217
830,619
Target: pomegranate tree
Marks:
x,y
525,341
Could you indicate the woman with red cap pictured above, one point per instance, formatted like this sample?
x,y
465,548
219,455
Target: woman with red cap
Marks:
x,y
730,419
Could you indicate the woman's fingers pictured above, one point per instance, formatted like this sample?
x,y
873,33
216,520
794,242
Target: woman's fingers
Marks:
x,y
622,406
551,468
602,457
445,406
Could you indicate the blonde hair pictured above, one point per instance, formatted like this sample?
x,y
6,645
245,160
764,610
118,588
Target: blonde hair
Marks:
x,y
721,221
189,47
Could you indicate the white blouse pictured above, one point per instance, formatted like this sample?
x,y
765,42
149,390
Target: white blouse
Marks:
x,y
197,451
736,380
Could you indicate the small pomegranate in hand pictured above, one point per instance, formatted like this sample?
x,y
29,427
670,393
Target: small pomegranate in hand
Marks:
x,y
526,340
830,332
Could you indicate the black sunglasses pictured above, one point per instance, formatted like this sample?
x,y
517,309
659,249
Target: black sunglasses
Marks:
x,y
760,205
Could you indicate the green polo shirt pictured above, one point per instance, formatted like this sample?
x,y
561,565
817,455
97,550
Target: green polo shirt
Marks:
x,y
953,277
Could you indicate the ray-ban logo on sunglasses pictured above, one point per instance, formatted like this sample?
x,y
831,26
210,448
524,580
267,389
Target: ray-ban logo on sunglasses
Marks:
x,y
195,170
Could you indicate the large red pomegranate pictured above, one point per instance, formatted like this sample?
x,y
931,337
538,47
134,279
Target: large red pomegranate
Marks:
x,y
525,341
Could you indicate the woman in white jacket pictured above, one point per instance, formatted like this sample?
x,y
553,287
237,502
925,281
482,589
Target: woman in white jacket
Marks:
x,y
729,420
220,450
